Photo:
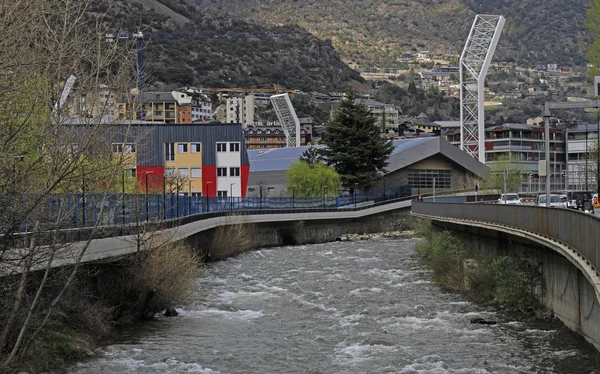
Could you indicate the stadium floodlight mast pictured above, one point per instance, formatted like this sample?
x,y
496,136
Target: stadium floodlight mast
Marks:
x,y
288,118
474,64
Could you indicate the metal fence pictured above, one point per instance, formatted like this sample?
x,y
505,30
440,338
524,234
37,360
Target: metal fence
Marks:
x,y
67,211
578,230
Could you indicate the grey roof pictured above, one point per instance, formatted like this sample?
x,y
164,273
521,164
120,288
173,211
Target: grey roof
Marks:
x,y
371,102
406,152
584,128
514,126
105,120
423,148
446,124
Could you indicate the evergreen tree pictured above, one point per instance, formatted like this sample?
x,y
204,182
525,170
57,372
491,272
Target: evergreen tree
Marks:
x,y
311,156
356,147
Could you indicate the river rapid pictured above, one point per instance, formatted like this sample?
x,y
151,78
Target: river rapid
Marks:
x,y
344,307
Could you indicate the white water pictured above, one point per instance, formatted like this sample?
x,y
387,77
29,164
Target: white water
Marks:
x,y
358,307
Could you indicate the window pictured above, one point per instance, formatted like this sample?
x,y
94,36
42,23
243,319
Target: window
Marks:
x,y
182,148
169,151
170,172
196,173
234,147
222,193
196,194
221,172
424,178
129,148
130,173
183,172
196,147
117,148
234,172
221,147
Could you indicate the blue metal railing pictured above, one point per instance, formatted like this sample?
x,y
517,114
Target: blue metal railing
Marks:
x,y
67,211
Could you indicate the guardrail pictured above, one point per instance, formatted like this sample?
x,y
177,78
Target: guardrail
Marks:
x,y
578,230
70,211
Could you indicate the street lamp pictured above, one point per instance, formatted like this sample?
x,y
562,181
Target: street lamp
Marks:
x,y
164,196
190,198
598,154
586,156
148,172
123,199
231,195
207,196
83,194
547,154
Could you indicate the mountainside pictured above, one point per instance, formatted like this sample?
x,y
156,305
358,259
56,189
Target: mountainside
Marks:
x,y
376,32
238,53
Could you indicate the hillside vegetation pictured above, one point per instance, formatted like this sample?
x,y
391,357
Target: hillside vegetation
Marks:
x,y
376,32
286,55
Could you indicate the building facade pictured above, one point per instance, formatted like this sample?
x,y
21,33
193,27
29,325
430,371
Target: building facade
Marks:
x,y
271,135
240,109
207,159
168,107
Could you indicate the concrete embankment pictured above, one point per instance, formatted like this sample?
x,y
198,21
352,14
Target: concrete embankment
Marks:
x,y
567,291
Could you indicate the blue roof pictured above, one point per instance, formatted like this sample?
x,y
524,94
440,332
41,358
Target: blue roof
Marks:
x,y
404,144
274,159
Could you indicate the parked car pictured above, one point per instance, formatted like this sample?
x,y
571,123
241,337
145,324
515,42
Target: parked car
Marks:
x,y
509,198
556,201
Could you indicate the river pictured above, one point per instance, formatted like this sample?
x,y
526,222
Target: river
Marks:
x,y
344,307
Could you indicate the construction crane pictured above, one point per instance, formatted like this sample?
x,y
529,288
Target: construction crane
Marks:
x,y
276,89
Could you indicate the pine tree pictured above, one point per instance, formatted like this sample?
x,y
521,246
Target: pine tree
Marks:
x,y
355,146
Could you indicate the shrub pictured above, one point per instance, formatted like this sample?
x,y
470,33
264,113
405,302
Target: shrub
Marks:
x,y
236,237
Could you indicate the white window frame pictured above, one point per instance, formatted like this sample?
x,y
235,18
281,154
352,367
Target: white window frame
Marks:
x,y
169,152
185,174
221,147
234,147
222,193
221,169
234,171
182,148
170,172
197,146
195,172
117,147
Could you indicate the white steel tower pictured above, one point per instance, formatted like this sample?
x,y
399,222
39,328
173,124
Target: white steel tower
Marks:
x,y
288,119
474,64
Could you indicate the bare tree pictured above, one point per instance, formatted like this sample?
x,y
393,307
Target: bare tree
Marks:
x,y
47,154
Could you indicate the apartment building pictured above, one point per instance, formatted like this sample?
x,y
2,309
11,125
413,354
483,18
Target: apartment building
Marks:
x,y
522,146
240,109
203,159
168,107
582,158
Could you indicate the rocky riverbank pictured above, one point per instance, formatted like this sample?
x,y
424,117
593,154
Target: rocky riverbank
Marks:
x,y
376,236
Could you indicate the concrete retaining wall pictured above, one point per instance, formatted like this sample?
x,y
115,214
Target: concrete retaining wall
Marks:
x,y
270,234
568,293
